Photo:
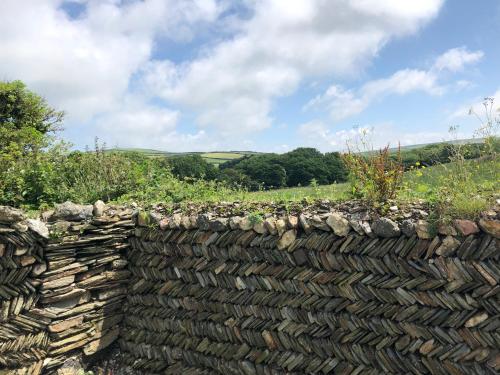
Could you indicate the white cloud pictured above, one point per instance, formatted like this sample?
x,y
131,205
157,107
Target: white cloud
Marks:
x,y
84,65
342,103
455,59
318,134
232,85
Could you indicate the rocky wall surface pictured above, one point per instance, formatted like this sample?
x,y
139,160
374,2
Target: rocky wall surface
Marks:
x,y
62,284
259,289
331,289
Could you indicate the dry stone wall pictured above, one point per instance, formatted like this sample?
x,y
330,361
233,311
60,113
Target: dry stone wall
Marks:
x,y
62,285
324,291
238,289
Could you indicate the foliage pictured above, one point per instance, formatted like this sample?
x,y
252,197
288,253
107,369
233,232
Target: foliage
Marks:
x,y
26,124
294,168
192,166
376,177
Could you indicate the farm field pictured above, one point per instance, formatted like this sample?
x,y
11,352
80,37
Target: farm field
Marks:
x,y
419,184
215,158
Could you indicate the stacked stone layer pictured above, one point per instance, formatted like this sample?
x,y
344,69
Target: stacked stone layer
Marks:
x,y
62,286
23,335
223,295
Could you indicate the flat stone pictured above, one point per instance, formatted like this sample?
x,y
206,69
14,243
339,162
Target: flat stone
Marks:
x,y
164,223
280,227
38,227
11,215
358,228
365,225
27,260
423,229
72,212
287,239
245,223
270,224
63,325
20,226
292,221
218,225
408,227
339,224
385,227
466,227
446,230
448,246
174,221
260,227
101,343
476,319
491,227
304,224
234,222
99,208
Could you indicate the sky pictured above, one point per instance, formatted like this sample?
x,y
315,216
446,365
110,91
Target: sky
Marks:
x,y
261,75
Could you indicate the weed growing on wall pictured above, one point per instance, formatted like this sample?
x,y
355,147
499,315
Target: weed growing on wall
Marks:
x,y
376,176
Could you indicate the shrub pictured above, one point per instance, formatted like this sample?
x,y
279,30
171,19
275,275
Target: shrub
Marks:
x,y
377,176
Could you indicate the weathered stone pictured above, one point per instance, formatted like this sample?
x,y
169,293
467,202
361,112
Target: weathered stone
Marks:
x,y
63,325
280,226
39,268
408,227
320,224
448,246
339,224
365,225
175,221
101,343
476,319
72,212
99,208
20,226
38,227
185,222
11,215
465,227
2,249
292,221
304,224
27,260
446,229
260,227
424,229
491,227
385,227
218,225
245,223
234,222
427,347
164,223
356,225
203,221
287,239
270,224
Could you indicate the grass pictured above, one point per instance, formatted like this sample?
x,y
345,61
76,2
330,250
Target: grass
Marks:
x,y
419,184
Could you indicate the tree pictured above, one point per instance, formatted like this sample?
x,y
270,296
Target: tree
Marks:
x,y
26,124
192,166
26,119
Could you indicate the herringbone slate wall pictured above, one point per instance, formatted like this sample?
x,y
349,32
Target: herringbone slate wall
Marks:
x,y
234,301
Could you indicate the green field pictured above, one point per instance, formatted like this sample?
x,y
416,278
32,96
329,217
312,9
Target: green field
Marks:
x,y
216,157
485,179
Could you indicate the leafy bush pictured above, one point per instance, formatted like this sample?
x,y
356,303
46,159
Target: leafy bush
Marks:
x,y
376,177
192,166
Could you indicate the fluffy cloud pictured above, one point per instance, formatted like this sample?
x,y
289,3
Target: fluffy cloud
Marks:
x,y
320,135
84,65
232,85
342,103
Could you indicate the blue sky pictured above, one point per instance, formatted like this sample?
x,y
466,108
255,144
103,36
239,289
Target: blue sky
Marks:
x,y
255,75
